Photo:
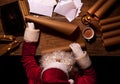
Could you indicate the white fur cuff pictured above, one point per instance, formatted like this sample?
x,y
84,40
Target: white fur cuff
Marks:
x,y
31,35
84,61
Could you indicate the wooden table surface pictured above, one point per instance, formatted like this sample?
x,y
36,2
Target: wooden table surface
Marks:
x,y
95,48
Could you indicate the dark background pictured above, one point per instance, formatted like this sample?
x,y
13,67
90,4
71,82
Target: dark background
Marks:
x,y
107,69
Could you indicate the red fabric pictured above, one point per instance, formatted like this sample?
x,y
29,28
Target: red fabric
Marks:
x,y
33,71
54,76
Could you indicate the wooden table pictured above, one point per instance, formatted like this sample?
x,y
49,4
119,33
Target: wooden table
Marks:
x,y
95,48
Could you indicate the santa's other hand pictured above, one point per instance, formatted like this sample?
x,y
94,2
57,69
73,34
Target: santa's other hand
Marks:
x,y
76,48
81,56
31,34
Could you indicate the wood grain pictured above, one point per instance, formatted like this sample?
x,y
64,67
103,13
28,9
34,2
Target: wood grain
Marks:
x,y
50,41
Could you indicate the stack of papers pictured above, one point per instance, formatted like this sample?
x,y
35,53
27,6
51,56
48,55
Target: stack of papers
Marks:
x,y
68,8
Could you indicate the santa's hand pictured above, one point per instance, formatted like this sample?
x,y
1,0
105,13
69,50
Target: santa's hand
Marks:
x,y
31,34
81,56
76,48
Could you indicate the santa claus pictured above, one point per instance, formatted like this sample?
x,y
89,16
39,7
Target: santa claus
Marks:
x,y
58,67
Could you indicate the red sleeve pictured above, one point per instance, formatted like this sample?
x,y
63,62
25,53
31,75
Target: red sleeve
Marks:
x,y
88,77
29,63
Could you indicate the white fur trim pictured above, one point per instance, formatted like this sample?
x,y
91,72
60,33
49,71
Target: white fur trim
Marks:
x,y
58,56
56,65
31,35
84,61
71,81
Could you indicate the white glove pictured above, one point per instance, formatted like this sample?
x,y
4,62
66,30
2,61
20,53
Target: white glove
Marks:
x,y
76,48
81,56
31,34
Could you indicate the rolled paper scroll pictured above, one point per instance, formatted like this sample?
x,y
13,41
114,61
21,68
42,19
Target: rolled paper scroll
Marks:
x,y
102,10
110,20
63,27
96,6
65,48
111,41
109,27
111,34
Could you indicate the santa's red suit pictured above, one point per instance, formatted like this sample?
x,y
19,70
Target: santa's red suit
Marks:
x,y
56,74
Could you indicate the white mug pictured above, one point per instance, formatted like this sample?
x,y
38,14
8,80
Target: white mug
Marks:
x,y
88,33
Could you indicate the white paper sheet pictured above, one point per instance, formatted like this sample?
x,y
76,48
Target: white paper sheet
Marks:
x,y
43,7
68,8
